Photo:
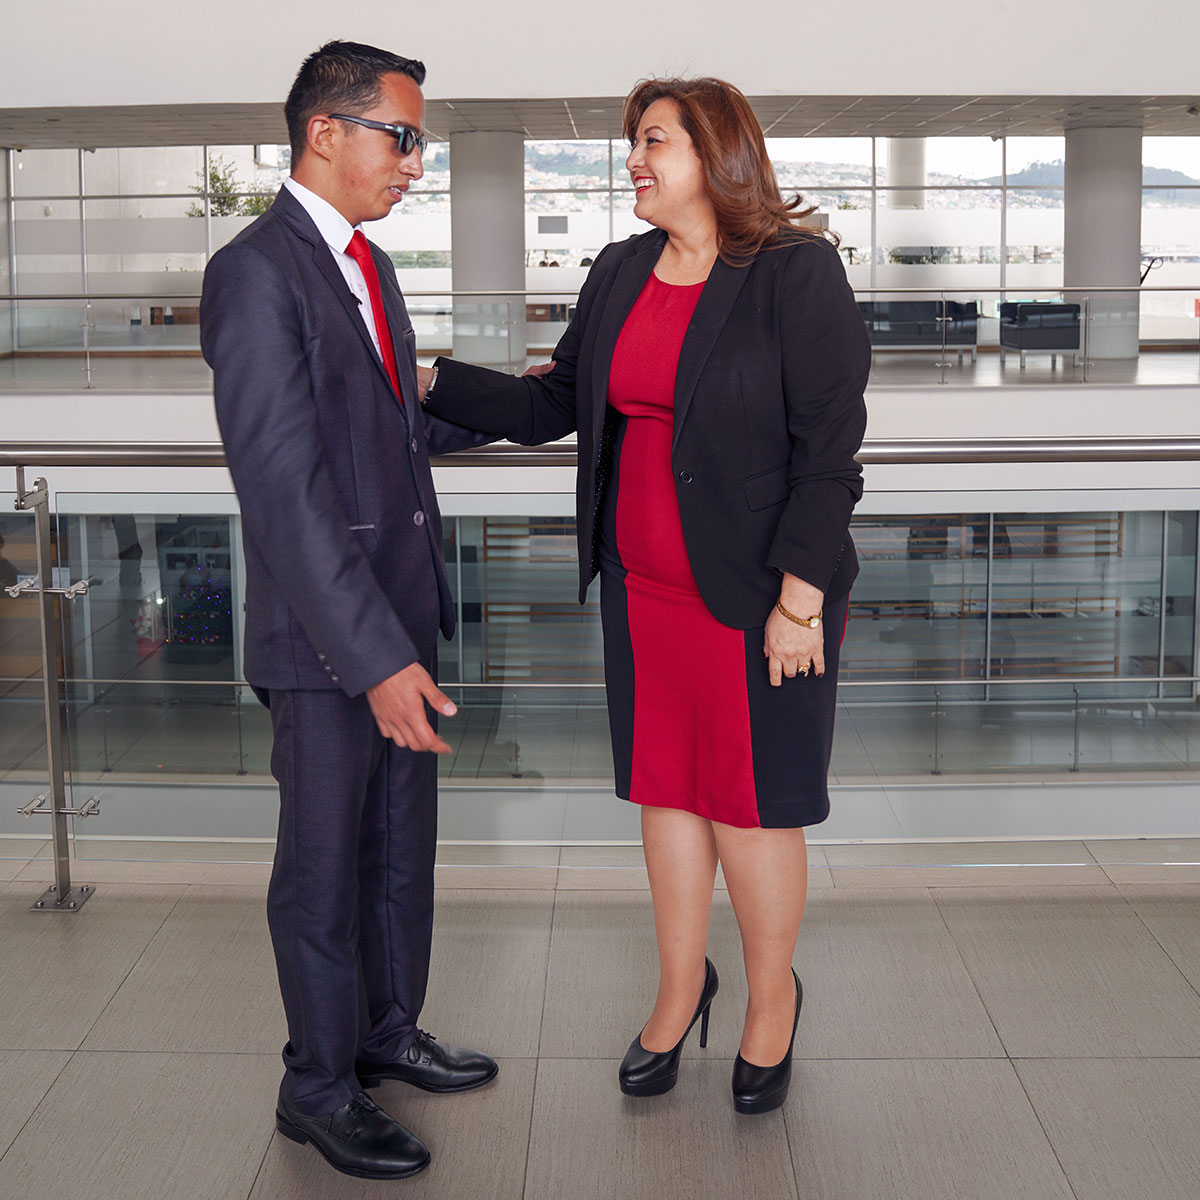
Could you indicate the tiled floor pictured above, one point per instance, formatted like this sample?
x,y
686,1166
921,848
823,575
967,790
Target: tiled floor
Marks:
x,y
981,1021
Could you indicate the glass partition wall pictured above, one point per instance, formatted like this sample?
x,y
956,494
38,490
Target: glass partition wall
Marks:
x,y
967,216
991,645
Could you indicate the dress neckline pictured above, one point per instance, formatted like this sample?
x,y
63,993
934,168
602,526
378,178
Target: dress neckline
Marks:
x,y
683,286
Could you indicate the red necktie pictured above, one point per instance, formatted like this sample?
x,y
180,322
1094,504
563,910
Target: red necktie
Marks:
x,y
361,253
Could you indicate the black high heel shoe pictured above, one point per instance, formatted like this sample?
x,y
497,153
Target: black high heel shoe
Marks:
x,y
761,1089
646,1073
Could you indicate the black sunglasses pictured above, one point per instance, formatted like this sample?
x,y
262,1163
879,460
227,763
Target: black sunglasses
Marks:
x,y
407,139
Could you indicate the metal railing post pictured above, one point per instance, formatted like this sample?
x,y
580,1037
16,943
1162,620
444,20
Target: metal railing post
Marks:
x,y
937,730
943,321
516,759
107,768
1087,341
1075,756
60,896
237,710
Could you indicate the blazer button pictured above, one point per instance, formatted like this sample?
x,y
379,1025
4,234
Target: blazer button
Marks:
x,y
686,476
334,679
414,445
418,518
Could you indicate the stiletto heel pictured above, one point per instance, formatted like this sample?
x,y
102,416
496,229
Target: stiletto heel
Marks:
x,y
647,1073
762,1089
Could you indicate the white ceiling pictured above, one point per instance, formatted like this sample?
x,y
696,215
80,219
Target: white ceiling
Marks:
x,y
781,116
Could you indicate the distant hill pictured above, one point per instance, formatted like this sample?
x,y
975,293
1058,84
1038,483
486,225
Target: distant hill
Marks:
x,y
589,161
1051,174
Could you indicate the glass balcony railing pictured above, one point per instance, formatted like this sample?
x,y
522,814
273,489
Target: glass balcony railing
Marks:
x,y
1001,648
921,336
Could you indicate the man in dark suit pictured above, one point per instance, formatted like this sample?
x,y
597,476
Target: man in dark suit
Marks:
x,y
314,368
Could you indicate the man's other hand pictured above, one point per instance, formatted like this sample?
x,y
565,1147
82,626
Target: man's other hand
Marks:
x,y
398,705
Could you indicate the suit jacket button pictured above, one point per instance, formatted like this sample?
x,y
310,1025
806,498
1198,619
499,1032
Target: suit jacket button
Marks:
x,y
335,679
418,518
686,476
414,445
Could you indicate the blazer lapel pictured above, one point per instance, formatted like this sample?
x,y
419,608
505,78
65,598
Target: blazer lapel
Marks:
x,y
630,278
712,311
398,325
302,224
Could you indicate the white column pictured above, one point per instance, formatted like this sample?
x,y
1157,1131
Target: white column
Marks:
x,y
1103,238
487,246
906,169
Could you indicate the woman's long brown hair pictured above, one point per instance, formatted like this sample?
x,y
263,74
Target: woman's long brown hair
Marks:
x,y
751,212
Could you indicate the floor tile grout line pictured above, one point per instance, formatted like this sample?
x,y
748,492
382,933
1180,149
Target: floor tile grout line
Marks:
x,y
1158,942
132,967
546,974
1042,1125
537,1070
42,1099
787,1137
970,975
261,1163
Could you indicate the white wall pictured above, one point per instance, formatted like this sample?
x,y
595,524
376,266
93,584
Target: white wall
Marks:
x,y
79,52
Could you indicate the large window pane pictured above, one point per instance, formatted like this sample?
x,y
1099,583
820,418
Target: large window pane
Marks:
x,y
1179,642
46,173
849,216
1171,248
949,238
917,609
563,228
143,170
951,160
1035,236
1077,594
566,164
826,163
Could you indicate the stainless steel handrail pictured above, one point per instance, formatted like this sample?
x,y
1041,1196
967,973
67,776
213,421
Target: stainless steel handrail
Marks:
x,y
875,451
524,684
179,297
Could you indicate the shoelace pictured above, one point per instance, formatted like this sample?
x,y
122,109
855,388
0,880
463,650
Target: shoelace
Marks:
x,y
413,1053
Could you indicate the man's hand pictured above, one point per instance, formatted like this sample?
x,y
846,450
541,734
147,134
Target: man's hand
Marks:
x,y
539,369
424,379
398,705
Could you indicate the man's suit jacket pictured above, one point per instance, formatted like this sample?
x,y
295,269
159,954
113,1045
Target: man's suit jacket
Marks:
x,y
345,580
769,414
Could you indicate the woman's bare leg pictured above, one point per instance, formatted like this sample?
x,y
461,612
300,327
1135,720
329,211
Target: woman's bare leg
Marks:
x,y
681,859
766,871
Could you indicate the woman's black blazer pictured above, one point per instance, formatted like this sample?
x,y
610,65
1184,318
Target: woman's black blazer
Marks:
x,y
769,414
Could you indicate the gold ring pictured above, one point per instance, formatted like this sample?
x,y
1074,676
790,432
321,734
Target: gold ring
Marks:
x,y
804,670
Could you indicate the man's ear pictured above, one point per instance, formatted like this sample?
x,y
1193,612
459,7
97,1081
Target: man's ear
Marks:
x,y
322,133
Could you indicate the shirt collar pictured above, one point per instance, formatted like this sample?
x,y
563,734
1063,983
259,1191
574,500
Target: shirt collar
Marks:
x,y
330,223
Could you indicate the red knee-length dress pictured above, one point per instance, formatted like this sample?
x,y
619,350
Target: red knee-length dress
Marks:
x,y
694,720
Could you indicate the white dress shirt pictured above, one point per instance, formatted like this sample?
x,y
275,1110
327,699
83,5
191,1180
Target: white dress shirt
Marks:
x,y
337,232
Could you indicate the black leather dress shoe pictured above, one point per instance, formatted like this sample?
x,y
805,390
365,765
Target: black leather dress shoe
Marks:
x,y
357,1139
761,1089
429,1064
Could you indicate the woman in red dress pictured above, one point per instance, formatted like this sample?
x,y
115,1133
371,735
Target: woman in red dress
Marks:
x,y
714,373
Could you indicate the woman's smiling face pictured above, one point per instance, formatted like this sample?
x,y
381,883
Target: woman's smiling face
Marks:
x,y
667,173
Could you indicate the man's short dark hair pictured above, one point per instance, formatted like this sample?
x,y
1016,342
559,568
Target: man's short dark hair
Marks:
x,y
341,77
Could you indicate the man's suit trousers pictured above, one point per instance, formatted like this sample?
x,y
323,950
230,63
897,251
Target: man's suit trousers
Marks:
x,y
350,906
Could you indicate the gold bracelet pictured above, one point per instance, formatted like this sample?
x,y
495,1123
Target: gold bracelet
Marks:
x,y
811,622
